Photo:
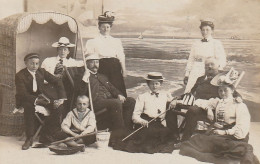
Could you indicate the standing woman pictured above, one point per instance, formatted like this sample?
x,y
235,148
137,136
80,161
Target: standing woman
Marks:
x,y
111,52
206,47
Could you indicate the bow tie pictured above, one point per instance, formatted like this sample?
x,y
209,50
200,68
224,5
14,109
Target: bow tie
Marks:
x,y
155,93
204,40
61,61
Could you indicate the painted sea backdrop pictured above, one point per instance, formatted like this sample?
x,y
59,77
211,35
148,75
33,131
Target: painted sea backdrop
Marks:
x,y
169,56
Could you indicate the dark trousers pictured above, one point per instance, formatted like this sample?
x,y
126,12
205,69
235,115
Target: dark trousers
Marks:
x,y
193,115
171,122
114,113
52,122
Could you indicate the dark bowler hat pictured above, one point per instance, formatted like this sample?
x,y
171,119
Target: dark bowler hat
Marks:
x,y
30,56
107,17
154,76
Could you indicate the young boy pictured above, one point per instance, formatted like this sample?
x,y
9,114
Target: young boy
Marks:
x,y
29,84
149,105
80,121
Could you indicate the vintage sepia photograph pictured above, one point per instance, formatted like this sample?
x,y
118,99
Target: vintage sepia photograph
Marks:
x,y
129,81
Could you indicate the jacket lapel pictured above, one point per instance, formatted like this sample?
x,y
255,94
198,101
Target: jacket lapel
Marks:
x,y
28,79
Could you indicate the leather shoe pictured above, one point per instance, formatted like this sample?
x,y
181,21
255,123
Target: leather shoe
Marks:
x,y
28,142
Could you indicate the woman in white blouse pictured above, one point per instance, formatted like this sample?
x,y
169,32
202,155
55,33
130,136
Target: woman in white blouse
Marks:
x,y
111,52
201,49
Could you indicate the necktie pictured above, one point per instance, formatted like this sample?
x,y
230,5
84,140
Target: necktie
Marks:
x,y
204,40
155,93
34,83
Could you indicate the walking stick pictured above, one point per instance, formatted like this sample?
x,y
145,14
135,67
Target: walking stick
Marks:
x,y
86,69
148,124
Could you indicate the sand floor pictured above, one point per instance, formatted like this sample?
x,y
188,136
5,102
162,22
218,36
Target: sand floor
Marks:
x,y
11,153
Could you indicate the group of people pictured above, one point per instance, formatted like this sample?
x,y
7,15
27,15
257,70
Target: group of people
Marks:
x,y
94,97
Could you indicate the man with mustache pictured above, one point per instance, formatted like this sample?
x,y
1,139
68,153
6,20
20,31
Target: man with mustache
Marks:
x,y
105,95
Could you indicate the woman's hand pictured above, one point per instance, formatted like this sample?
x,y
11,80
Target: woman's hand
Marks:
x,y
144,123
210,114
185,80
219,132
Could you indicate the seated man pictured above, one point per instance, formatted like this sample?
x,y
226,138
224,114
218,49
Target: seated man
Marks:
x,y
29,85
202,89
64,67
105,95
78,122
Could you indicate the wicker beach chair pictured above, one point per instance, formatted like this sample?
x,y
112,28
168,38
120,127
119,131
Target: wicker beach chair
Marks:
x,y
21,34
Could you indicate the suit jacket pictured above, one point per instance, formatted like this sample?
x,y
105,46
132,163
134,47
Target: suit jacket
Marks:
x,y
24,85
95,81
204,90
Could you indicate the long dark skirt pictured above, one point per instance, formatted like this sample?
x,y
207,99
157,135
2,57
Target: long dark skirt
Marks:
x,y
154,139
112,68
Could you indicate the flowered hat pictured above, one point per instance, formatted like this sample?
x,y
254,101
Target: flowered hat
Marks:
x,y
63,42
107,17
231,77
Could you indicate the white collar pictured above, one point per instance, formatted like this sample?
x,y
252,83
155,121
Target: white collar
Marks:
x,y
231,99
92,72
58,58
31,72
209,38
104,36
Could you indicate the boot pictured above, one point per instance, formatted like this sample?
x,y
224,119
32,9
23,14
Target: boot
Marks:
x,y
28,142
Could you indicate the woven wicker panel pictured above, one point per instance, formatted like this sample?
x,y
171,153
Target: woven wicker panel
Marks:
x,y
11,125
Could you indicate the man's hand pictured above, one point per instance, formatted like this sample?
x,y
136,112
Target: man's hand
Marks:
x,y
219,132
185,80
210,114
86,76
121,98
144,123
57,103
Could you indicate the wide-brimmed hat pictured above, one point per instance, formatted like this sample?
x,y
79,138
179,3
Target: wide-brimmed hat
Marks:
x,y
154,76
231,77
107,17
92,56
63,42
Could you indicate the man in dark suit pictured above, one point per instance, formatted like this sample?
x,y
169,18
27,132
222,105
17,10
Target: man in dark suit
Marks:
x,y
105,95
29,85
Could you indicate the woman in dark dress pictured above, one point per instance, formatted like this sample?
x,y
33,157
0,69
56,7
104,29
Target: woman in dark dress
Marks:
x,y
111,52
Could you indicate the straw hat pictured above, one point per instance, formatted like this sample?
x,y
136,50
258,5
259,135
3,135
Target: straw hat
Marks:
x,y
92,56
63,42
230,77
154,76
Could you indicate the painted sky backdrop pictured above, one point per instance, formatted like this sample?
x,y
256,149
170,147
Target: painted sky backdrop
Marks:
x,y
156,17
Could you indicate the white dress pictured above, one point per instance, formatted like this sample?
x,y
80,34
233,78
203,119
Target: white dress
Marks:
x,y
196,62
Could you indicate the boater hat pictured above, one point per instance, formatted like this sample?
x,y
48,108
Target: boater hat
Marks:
x,y
107,17
30,56
63,42
154,76
92,56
